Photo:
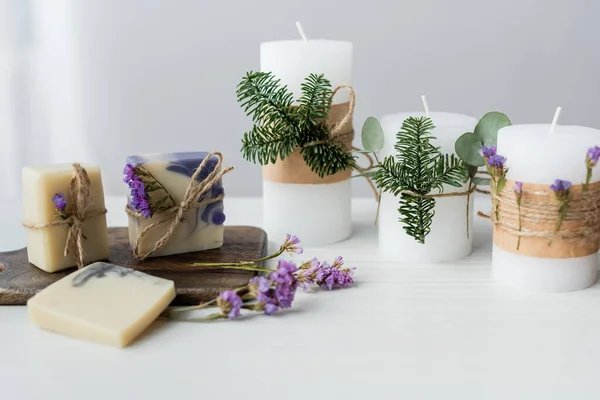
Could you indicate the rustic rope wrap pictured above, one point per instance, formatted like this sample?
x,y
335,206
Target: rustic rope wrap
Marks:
x,y
173,216
77,212
579,233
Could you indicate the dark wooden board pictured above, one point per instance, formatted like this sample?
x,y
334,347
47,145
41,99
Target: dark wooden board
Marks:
x,y
20,280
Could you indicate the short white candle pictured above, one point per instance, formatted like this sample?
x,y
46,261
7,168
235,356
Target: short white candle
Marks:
x,y
317,213
535,154
448,239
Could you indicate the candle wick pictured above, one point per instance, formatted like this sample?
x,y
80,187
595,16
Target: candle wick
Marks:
x,y
301,31
555,120
425,105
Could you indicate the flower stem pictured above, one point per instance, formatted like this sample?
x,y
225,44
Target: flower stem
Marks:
x,y
468,204
244,265
520,222
588,178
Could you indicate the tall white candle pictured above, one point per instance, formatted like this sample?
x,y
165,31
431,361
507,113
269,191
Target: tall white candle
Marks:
x,y
539,154
318,213
448,240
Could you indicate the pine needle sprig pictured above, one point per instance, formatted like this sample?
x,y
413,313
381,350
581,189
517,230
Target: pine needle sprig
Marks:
x,y
280,126
418,168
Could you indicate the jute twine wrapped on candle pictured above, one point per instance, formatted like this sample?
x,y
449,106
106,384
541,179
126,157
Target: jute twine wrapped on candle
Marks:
x,y
529,227
293,168
78,210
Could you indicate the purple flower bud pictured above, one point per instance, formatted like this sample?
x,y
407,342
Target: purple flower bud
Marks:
x,y
230,303
290,244
593,155
488,152
59,201
560,186
496,161
518,188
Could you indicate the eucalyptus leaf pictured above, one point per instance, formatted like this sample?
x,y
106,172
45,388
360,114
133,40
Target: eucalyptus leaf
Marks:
x,y
481,181
467,147
367,174
362,151
488,126
372,135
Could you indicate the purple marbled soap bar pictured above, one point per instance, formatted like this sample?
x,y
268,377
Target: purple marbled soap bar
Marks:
x,y
201,228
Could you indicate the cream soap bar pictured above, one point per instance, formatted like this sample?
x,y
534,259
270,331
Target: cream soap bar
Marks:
x,y
103,303
201,228
45,246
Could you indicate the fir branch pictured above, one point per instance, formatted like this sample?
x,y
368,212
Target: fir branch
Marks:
x,y
280,127
265,146
327,158
315,102
418,167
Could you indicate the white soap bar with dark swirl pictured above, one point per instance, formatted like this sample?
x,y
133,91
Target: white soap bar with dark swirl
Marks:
x,y
103,303
200,228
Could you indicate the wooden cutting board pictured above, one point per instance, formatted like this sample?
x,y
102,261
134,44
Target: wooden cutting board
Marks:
x,y
20,280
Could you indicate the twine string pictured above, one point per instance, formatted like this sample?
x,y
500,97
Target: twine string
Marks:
x,y
581,224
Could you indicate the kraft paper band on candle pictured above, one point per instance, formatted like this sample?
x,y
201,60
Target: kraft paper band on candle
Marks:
x,y
293,169
579,233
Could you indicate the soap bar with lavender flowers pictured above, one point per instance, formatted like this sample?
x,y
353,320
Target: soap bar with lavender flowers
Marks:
x,y
46,200
103,303
157,183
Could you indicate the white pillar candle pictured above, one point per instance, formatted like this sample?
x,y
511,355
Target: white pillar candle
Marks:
x,y
535,155
448,240
318,213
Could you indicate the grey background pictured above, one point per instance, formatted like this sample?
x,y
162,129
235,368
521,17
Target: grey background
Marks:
x,y
156,75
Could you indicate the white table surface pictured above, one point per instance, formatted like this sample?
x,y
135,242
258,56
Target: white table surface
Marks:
x,y
444,331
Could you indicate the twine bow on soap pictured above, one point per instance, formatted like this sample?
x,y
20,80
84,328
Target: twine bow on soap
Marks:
x,y
174,215
76,213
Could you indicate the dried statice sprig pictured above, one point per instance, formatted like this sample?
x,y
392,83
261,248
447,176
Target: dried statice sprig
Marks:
x,y
518,189
591,159
495,167
141,183
60,203
562,192
275,291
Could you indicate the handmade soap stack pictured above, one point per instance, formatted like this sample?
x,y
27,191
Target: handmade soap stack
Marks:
x,y
64,215
546,206
175,203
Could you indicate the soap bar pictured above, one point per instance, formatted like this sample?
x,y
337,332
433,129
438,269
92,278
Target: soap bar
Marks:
x,y
45,246
103,303
200,228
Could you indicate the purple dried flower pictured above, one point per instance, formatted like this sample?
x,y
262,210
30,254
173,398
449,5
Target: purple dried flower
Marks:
x,y
592,156
290,244
285,283
129,172
59,201
560,186
230,303
488,152
309,273
336,276
260,287
139,199
518,188
496,161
